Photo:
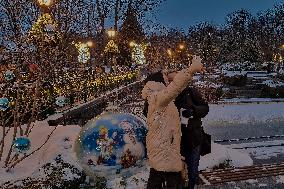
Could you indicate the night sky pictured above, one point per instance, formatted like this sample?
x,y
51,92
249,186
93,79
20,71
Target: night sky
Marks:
x,y
183,13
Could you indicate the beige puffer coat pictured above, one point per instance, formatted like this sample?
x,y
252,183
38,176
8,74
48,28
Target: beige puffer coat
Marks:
x,y
164,131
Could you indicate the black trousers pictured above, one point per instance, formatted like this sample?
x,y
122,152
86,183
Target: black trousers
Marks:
x,y
164,180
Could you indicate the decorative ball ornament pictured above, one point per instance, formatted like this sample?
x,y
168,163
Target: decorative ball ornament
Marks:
x,y
4,104
60,101
50,30
21,144
112,143
9,75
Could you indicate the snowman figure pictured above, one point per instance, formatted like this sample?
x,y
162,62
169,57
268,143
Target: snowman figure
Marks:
x,y
135,147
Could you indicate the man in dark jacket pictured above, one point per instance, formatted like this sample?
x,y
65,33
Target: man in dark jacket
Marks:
x,y
192,108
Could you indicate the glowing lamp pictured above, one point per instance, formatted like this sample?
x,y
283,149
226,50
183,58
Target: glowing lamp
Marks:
x,y
111,33
181,46
132,44
45,2
90,43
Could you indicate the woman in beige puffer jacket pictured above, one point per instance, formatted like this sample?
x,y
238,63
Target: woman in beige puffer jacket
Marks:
x,y
164,132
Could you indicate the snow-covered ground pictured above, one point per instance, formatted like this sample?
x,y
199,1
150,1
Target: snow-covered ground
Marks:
x,y
261,150
230,114
59,145
250,100
273,84
224,115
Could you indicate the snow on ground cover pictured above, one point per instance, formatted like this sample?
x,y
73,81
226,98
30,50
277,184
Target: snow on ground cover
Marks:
x,y
260,152
59,145
262,185
220,153
250,100
232,114
60,142
273,84
280,179
251,181
233,73
207,84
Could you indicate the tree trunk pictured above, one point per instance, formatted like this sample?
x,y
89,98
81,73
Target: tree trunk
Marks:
x,y
116,12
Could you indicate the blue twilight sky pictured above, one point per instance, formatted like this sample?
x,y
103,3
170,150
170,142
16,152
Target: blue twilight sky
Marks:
x,y
183,13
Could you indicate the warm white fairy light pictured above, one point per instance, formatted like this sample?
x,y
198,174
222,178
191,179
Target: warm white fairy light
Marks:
x,y
84,51
138,51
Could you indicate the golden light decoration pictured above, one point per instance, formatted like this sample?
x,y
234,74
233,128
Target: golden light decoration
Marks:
x,y
44,26
280,59
138,51
111,47
132,44
45,2
169,51
84,51
277,57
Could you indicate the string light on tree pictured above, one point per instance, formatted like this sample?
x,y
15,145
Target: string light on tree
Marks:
x,y
111,47
44,28
84,51
137,53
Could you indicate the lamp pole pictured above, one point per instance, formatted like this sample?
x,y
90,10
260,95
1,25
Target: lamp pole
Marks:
x,y
112,34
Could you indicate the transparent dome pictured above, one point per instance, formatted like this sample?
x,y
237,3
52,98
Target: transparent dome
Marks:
x,y
112,143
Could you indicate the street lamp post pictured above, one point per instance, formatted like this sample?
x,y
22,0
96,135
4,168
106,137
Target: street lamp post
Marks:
x,y
45,5
111,34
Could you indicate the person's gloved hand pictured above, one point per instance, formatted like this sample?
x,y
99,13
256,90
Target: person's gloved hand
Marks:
x,y
187,113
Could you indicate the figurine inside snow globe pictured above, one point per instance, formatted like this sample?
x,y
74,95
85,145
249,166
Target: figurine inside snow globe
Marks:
x,y
112,143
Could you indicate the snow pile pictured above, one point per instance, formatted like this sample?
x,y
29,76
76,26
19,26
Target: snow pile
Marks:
x,y
138,180
258,149
219,154
207,84
234,73
60,142
249,100
234,114
251,181
273,84
280,179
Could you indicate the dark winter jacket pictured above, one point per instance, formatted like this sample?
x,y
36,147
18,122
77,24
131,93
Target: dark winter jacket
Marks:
x,y
192,134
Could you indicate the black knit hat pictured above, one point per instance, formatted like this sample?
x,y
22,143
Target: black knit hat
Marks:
x,y
157,77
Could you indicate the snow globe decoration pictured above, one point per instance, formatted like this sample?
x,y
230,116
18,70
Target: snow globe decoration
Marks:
x,y
21,144
4,104
112,143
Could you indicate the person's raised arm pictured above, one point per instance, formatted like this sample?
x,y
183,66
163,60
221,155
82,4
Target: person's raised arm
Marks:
x,y
181,80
